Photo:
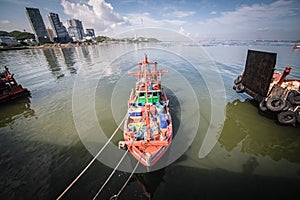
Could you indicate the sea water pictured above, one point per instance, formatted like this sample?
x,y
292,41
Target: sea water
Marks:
x,y
223,146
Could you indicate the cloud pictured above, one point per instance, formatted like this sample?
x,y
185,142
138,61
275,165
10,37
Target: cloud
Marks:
x,y
183,32
213,12
256,13
259,17
96,14
17,2
147,20
263,29
172,12
4,21
182,14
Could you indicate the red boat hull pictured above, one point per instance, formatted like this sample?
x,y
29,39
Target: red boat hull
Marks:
x,y
15,93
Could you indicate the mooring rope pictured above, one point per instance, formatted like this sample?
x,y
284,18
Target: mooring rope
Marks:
x,y
128,179
112,173
83,171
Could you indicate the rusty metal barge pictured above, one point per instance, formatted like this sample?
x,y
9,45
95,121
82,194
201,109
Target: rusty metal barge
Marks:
x,y
272,90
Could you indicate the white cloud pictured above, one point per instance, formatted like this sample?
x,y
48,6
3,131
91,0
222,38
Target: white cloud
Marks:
x,y
144,18
96,14
172,12
263,29
181,14
174,22
183,32
4,21
256,14
147,20
213,12
252,18
17,2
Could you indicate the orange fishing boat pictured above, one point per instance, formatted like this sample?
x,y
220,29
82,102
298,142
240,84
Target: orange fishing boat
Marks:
x,y
148,127
10,90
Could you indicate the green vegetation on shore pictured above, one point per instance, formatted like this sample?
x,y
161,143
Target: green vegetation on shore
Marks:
x,y
22,38
18,35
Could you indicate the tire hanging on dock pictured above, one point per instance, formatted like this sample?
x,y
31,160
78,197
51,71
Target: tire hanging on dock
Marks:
x,y
288,106
294,97
240,88
298,118
238,80
287,117
262,105
276,104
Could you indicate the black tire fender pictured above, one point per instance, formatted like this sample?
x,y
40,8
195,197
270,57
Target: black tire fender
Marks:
x,y
276,104
262,105
287,117
288,106
234,87
294,97
238,80
298,117
240,88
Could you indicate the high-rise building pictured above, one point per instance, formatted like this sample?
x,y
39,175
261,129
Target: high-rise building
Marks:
x,y
37,24
61,34
75,29
90,32
51,34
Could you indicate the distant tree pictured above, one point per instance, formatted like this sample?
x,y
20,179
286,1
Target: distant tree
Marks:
x,y
3,33
3,44
101,38
21,35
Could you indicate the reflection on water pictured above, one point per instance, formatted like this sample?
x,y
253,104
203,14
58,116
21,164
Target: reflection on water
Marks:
x,y
52,55
58,57
250,165
70,59
11,111
257,134
86,53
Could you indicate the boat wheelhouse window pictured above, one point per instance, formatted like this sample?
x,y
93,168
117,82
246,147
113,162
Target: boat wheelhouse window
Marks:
x,y
133,104
142,94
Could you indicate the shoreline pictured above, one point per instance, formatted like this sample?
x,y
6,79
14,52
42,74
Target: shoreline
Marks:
x,y
60,45
43,47
13,48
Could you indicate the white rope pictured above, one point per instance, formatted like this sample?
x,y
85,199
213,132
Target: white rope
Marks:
x,y
83,171
112,173
116,195
137,164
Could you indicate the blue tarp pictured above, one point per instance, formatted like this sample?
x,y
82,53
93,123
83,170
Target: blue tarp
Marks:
x,y
163,120
135,114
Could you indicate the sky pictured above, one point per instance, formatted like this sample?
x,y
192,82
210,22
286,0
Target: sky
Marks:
x,y
196,19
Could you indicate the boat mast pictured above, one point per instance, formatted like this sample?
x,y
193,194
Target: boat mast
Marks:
x,y
148,121
147,81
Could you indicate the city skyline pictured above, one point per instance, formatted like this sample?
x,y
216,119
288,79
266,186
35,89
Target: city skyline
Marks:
x,y
37,25
202,19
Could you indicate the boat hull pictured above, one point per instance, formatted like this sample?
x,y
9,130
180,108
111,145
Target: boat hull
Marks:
x,y
147,152
16,93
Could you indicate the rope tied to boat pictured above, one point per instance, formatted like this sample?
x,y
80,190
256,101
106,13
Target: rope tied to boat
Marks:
x,y
92,161
128,179
112,173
